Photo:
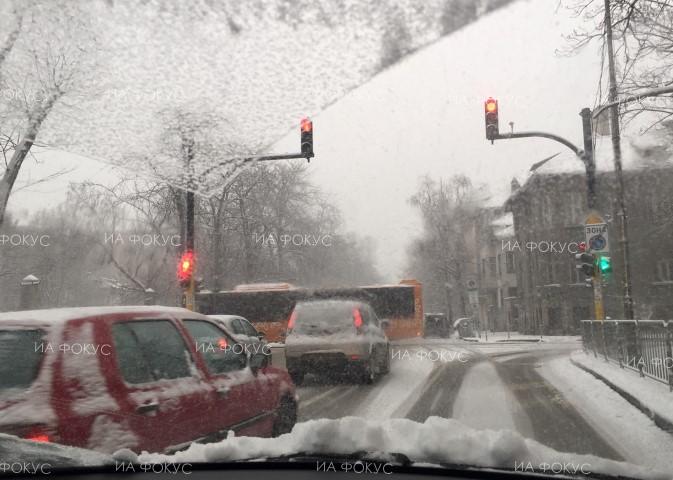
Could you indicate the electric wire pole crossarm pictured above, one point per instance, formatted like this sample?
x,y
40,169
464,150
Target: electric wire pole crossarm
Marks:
x,y
188,260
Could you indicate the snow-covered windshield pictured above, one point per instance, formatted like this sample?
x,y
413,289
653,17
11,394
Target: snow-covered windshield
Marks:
x,y
430,233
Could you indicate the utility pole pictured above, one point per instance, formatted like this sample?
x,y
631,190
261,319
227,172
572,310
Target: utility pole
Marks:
x,y
617,152
588,157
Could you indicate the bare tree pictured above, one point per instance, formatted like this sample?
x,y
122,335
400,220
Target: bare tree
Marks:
x,y
46,56
448,210
643,49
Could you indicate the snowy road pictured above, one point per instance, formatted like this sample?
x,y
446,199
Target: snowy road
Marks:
x,y
493,386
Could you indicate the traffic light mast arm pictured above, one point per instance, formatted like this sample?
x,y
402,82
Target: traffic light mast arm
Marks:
x,y
576,150
307,151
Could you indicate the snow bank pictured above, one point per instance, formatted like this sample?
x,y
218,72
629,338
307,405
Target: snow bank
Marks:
x,y
626,428
650,393
438,440
17,450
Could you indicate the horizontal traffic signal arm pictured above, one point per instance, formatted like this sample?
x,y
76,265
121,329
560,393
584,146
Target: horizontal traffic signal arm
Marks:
x,y
493,131
306,147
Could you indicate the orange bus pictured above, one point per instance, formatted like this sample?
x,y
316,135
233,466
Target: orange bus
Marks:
x,y
268,305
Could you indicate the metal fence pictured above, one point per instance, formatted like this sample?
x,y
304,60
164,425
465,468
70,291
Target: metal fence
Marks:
x,y
642,345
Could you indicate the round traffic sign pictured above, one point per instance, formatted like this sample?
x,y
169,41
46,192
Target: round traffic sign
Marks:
x,y
597,242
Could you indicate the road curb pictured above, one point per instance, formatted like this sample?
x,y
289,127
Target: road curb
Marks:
x,y
660,421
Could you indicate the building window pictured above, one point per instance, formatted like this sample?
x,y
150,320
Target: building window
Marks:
x,y
664,270
581,313
549,273
509,262
554,318
577,211
546,211
512,292
492,266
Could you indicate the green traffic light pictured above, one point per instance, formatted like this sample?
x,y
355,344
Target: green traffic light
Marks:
x,y
605,264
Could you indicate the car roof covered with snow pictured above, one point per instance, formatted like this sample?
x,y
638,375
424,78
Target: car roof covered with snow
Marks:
x,y
49,316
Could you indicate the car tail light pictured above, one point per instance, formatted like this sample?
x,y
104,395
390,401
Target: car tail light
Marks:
x,y
357,320
37,433
291,321
38,437
222,343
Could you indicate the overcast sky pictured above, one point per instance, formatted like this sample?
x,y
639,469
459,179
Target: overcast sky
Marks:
x,y
425,116
422,116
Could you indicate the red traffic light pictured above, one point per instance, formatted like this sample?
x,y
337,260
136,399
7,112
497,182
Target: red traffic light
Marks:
x,y
306,125
491,117
306,128
186,266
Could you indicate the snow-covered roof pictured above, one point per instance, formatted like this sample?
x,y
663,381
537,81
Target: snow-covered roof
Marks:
x,y
637,152
650,150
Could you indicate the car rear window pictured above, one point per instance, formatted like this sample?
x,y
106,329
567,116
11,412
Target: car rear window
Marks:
x,y
20,354
319,318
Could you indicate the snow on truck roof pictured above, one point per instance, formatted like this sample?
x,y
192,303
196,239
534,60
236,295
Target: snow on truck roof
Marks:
x,y
57,315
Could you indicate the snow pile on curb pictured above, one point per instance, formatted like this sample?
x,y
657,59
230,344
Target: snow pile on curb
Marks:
x,y
652,394
438,440
625,428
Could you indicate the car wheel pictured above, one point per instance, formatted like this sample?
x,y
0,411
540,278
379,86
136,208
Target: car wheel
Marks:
x,y
386,364
297,376
286,417
368,374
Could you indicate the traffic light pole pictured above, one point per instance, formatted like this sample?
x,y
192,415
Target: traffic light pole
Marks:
x,y
599,309
613,105
306,143
189,246
587,157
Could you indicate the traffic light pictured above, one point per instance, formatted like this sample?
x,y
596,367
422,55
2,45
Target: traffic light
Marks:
x,y
306,128
186,268
586,262
605,265
491,117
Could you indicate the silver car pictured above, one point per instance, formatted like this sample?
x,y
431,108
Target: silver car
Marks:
x,y
336,336
242,331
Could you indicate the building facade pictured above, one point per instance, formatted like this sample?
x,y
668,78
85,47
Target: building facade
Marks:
x,y
548,214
